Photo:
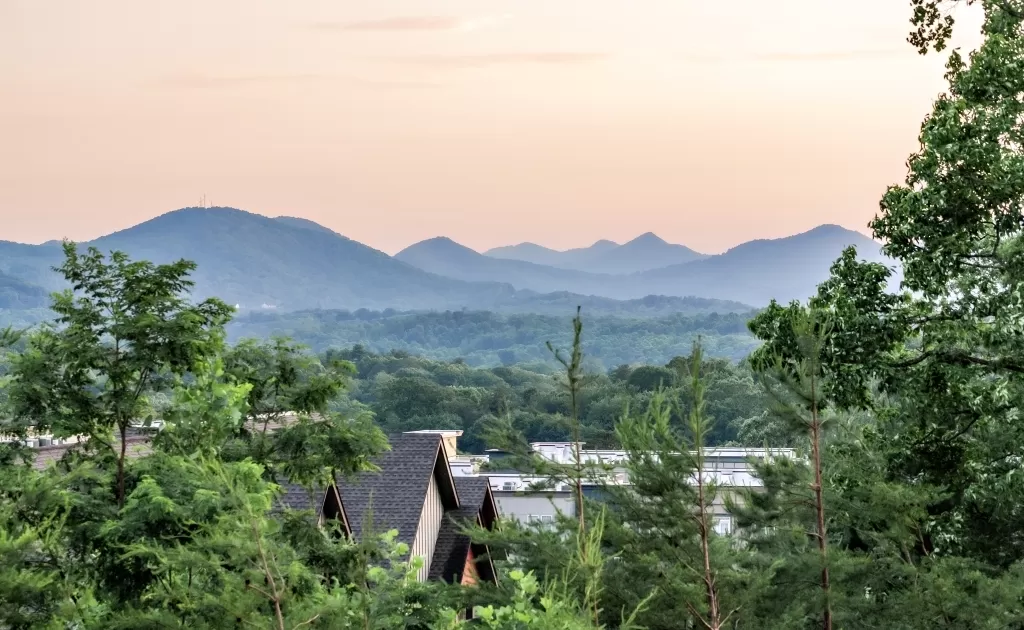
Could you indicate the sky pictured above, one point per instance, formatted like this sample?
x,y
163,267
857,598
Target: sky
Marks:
x,y
489,121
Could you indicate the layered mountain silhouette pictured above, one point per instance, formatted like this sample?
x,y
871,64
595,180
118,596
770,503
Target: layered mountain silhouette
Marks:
x,y
577,258
259,262
31,264
755,272
289,263
647,251
758,271
18,294
445,257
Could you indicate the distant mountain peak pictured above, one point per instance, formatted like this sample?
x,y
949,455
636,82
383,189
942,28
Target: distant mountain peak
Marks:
x,y
438,245
525,245
648,238
833,229
205,210
441,240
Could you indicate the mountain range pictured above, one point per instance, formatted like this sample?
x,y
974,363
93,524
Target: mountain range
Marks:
x,y
645,252
445,257
753,273
289,263
259,262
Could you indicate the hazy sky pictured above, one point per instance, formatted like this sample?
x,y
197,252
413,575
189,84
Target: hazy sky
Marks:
x,y
493,122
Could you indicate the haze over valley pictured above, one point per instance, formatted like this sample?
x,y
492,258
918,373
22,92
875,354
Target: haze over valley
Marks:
x,y
288,263
286,275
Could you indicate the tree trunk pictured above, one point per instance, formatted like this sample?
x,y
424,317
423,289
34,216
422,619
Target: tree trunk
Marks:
x,y
579,487
123,428
714,614
819,508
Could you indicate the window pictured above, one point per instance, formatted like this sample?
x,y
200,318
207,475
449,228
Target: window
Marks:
x,y
508,486
547,518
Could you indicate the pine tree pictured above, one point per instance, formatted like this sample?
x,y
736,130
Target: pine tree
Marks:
x,y
664,516
795,492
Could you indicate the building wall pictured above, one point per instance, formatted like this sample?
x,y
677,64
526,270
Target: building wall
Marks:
x,y
469,572
522,506
426,533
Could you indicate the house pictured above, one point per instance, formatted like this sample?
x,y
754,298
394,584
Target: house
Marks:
x,y
411,492
458,560
414,492
325,503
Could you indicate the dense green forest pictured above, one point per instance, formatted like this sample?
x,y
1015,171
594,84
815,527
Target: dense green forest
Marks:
x,y
902,510
491,339
407,393
486,338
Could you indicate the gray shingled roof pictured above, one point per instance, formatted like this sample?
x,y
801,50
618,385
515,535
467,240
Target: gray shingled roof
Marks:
x,y
394,496
324,502
472,491
452,544
296,497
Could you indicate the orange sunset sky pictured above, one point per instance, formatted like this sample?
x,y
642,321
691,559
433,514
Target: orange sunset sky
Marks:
x,y
492,122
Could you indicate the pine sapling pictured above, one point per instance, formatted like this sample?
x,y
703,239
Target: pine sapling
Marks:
x,y
800,404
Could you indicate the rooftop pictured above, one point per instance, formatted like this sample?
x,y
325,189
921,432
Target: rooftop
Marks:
x,y
392,497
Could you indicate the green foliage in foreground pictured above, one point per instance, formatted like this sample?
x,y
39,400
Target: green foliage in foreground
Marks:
x,y
490,339
190,533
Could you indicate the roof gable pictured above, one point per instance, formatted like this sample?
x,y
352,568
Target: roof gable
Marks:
x,y
392,497
323,502
488,506
453,544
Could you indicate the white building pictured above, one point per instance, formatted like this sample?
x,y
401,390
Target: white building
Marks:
x,y
518,496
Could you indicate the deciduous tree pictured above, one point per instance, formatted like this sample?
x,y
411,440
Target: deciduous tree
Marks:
x,y
122,330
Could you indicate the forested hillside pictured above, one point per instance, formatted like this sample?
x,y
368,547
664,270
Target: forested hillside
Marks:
x,y
16,294
408,393
490,339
